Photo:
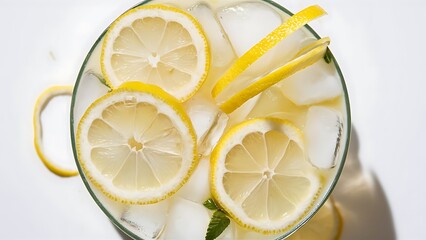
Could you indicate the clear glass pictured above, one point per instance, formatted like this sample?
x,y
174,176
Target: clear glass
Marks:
x,y
325,193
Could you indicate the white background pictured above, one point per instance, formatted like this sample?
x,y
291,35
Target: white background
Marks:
x,y
379,45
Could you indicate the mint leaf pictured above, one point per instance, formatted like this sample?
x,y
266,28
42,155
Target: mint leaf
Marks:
x,y
217,225
210,204
328,56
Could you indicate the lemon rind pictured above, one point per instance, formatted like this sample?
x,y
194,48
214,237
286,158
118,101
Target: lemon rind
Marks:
x,y
295,22
298,63
40,104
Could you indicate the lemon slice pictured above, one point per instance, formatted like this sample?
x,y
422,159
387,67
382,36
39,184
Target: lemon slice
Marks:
x,y
137,144
41,103
295,22
327,224
260,177
308,56
159,45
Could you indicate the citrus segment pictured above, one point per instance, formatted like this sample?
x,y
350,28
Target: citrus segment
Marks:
x,y
260,177
159,45
299,62
137,144
295,22
41,103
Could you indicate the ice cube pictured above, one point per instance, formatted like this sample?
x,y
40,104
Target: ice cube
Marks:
x,y
240,22
314,84
208,120
89,89
186,220
269,103
272,103
221,50
146,221
323,131
197,189
241,113
203,114
214,134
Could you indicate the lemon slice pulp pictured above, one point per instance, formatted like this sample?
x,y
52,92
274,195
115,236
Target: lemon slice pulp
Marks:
x,y
260,177
159,45
137,144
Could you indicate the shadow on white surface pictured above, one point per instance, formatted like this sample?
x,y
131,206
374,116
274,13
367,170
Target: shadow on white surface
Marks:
x,y
362,201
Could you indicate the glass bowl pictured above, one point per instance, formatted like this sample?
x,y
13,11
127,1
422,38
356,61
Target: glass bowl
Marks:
x,y
81,100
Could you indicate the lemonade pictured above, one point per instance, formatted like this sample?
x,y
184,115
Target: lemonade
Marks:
x,y
186,113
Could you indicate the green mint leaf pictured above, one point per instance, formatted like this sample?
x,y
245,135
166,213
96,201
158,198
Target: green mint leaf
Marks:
x,y
328,56
217,225
210,204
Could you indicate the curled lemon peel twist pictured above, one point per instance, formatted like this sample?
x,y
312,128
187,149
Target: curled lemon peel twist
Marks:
x,y
40,105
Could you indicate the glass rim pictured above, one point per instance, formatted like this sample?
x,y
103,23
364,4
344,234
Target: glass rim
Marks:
x,y
304,220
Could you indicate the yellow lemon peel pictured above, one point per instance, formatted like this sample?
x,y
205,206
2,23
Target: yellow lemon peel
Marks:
x,y
41,103
295,22
303,59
